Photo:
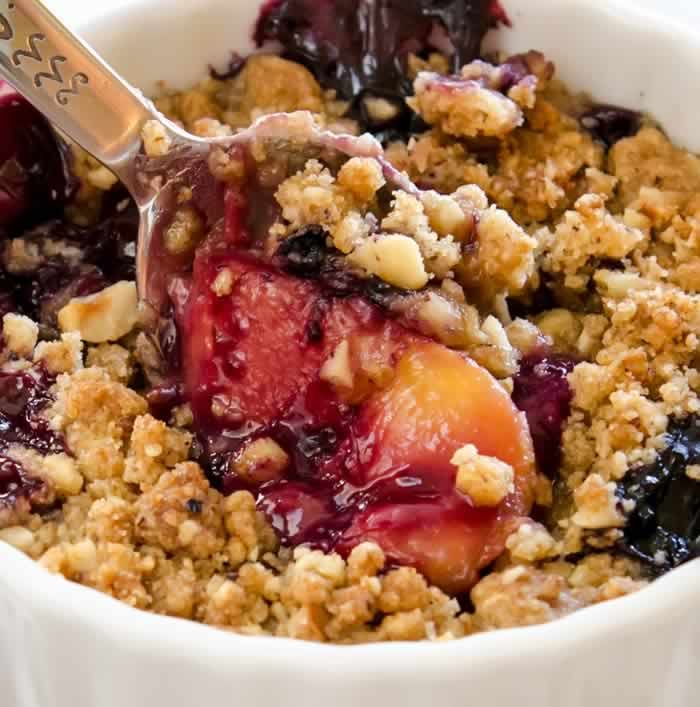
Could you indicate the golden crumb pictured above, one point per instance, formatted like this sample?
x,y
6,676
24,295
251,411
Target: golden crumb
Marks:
x,y
107,315
19,334
486,480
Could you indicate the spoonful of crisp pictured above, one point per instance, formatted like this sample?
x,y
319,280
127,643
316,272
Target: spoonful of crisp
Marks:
x,y
178,181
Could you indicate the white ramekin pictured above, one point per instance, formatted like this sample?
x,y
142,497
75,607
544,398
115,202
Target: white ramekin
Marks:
x,y
63,645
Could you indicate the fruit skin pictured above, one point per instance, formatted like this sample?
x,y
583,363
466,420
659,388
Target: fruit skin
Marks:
x,y
374,466
542,391
439,401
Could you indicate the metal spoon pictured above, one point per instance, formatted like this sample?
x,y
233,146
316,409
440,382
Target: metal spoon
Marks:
x,y
87,100
81,95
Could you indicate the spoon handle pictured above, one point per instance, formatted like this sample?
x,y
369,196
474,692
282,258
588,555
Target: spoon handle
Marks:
x,y
64,78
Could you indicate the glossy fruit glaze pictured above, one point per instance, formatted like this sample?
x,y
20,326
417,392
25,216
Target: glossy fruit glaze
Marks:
x,y
24,396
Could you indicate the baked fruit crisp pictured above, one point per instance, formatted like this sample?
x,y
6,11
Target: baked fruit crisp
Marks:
x,y
401,394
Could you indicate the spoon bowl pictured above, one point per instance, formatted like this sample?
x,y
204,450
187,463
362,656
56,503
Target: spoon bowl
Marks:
x,y
89,102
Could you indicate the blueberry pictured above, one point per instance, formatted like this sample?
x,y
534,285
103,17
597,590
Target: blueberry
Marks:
x,y
36,179
541,390
663,521
194,506
609,124
24,396
304,253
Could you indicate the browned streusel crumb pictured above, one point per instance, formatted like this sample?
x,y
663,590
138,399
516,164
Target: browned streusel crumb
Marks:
x,y
313,196
504,260
486,480
153,448
588,233
179,513
408,217
475,103
650,160
464,108
96,415
114,359
266,84
61,356
523,596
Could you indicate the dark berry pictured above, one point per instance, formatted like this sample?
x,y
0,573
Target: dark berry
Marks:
x,y
35,166
235,64
194,506
305,253
23,398
541,390
360,48
609,124
663,527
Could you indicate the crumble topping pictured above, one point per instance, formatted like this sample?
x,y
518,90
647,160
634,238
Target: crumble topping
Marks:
x,y
607,238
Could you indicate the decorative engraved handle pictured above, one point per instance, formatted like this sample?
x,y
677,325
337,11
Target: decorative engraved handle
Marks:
x,y
70,84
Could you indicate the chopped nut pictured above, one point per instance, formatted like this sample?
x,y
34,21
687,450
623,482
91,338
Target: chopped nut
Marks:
x,y
223,283
394,258
262,460
105,316
337,369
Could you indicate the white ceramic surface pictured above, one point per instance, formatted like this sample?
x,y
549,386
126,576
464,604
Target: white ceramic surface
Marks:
x,y
62,645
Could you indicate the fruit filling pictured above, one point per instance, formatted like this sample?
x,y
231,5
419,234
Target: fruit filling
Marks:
x,y
415,356
343,421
